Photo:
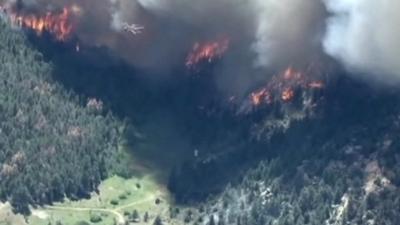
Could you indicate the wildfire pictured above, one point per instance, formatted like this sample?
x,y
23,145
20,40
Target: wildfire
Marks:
x,y
57,24
290,74
283,86
287,94
261,96
208,51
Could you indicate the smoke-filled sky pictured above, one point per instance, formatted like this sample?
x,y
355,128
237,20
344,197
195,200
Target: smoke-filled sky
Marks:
x,y
363,35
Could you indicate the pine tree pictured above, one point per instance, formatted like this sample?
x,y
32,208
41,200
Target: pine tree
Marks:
x,y
135,215
211,220
157,221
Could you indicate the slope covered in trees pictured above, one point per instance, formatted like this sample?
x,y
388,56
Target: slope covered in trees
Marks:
x,y
340,167
52,143
284,165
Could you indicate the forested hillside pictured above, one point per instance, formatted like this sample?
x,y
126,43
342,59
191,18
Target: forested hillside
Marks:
x,y
52,142
318,150
340,167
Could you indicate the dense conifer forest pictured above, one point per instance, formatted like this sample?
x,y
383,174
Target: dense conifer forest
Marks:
x,y
53,143
340,167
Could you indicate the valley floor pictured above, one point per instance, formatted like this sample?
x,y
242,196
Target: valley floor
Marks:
x,y
117,199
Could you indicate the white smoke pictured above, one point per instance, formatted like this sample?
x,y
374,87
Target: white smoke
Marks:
x,y
365,36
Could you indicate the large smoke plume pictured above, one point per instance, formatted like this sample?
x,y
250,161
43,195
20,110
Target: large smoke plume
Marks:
x,y
266,35
365,36
288,31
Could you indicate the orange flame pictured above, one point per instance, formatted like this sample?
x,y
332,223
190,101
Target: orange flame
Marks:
x,y
261,96
57,24
282,87
291,74
208,51
287,94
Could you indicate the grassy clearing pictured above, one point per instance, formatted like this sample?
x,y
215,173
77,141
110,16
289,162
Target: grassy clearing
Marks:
x,y
115,203
117,198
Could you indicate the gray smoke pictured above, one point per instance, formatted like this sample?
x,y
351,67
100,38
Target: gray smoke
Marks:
x,y
288,30
266,35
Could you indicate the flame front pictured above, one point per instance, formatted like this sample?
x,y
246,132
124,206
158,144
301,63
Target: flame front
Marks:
x,y
261,96
208,52
282,87
57,24
287,94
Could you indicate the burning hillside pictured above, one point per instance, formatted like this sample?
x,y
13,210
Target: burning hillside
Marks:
x,y
283,88
207,52
58,23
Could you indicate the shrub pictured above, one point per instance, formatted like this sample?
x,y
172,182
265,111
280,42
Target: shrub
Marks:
x,y
94,218
122,196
